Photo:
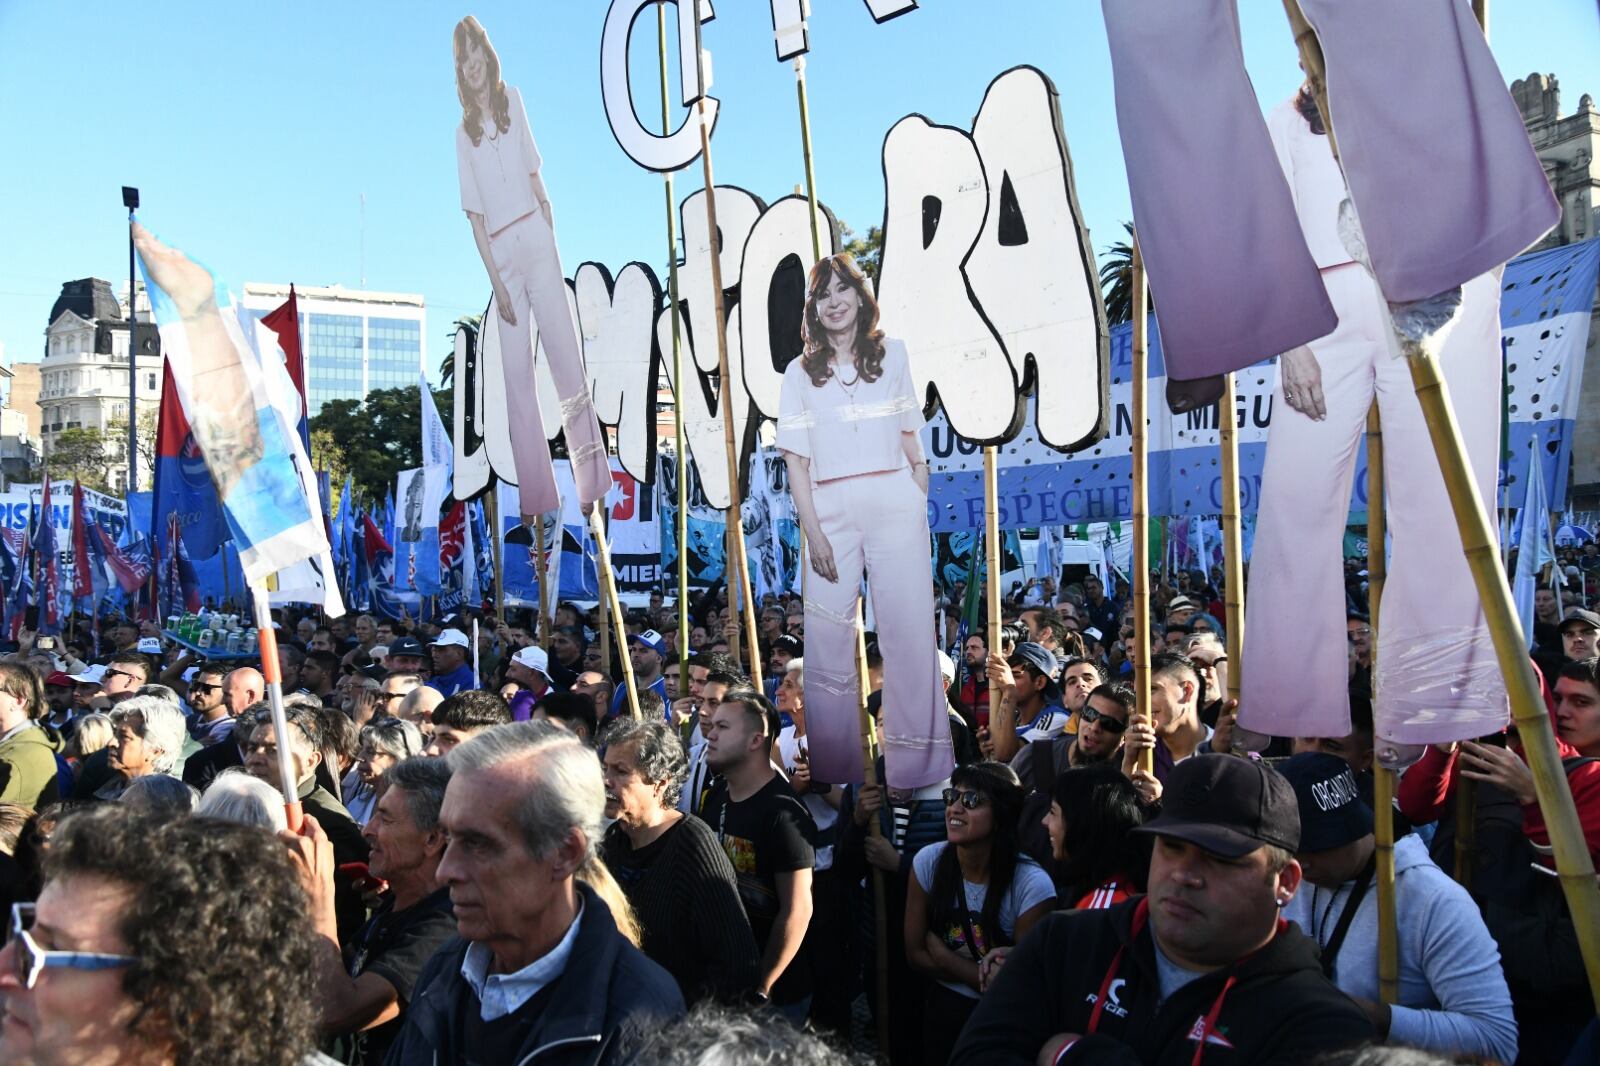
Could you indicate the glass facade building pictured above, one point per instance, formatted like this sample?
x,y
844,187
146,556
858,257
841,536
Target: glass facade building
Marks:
x,y
354,341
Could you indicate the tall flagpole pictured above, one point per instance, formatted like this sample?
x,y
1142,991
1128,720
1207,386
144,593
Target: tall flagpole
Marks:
x,y
1575,869
1141,501
542,561
681,519
1232,537
612,603
737,565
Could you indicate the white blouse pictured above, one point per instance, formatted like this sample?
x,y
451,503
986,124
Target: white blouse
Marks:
x,y
495,173
1314,180
849,429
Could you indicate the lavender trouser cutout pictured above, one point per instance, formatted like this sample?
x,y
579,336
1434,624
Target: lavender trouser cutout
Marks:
x,y
1437,677
879,522
530,268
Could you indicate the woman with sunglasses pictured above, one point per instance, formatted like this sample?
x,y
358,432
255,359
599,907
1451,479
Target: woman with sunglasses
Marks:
x,y
383,743
970,895
141,919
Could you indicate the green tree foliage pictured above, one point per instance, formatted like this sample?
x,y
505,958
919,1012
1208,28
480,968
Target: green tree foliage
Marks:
x,y
867,250
1116,280
373,440
81,455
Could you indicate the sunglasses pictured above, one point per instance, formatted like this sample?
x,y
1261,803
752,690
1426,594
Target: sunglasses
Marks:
x,y
1108,723
197,687
31,960
968,798
124,673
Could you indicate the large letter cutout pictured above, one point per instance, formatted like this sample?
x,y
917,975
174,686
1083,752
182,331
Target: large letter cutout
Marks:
x,y
653,151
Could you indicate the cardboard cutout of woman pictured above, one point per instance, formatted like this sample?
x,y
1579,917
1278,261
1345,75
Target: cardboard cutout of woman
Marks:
x,y
848,426
1437,676
512,222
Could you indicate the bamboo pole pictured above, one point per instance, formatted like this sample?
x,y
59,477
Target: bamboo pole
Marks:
x,y
805,149
737,564
542,560
991,547
681,519
496,545
611,604
1383,792
869,775
1574,867
1232,537
1141,503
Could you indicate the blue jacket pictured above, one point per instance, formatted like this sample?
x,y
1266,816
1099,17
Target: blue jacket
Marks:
x,y
609,987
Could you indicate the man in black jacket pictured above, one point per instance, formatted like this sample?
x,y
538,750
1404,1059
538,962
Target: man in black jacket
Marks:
x,y
539,971
1199,970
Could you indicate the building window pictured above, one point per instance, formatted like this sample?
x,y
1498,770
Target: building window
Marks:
x,y
150,381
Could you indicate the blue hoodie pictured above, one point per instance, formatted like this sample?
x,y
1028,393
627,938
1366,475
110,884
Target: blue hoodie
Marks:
x,y
1453,995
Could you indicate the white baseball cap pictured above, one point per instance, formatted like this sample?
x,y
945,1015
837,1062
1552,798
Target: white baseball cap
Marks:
x,y
452,638
534,658
148,646
378,652
92,675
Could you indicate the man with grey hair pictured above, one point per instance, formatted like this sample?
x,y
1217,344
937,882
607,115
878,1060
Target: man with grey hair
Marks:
x,y
147,736
540,968
260,744
364,991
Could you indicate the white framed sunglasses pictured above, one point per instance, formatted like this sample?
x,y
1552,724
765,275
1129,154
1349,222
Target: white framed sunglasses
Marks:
x,y
31,960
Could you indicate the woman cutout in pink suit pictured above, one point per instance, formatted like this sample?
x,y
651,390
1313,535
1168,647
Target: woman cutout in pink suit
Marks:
x,y
512,222
848,428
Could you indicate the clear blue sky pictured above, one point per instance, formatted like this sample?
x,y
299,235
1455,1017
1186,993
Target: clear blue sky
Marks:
x,y
253,129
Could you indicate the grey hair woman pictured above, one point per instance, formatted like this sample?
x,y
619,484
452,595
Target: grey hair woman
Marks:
x,y
384,742
674,872
236,796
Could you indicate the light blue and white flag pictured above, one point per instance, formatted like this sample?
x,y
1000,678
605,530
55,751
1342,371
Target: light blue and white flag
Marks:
x,y
262,473
437,457
1533,546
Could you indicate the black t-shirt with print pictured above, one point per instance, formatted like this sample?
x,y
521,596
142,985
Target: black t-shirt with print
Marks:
x,y
395,945
768,834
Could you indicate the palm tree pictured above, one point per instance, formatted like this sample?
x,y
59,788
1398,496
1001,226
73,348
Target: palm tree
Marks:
x,y
447,369
1116,279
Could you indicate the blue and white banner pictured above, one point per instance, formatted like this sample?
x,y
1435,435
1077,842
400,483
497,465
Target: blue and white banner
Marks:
x,y
1544,316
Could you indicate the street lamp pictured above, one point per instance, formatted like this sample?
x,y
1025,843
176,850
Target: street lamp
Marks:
x,y
130,200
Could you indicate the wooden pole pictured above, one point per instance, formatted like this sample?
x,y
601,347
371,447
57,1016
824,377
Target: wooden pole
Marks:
x,y
1141,503
610,603
542,561
1574,867
496,536
1383,792
681,519
991,546
737,565
268,640
1232,538
869,775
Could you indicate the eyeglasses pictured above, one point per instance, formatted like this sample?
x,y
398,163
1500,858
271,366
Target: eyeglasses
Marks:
x,y
968,798
1108,723
197,687
32,960
123,673
385,697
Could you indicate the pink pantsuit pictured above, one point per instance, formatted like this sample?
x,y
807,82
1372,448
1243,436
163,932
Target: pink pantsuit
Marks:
x,y
496,182
876,519
1436,677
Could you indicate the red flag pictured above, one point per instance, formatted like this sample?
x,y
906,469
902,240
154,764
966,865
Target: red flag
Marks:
x,y
82,576
285,322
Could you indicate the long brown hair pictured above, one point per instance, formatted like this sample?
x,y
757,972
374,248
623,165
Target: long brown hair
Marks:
x,y
471,30
869,338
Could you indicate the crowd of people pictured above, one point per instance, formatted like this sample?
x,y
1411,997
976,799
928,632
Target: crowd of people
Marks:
x,y
498,863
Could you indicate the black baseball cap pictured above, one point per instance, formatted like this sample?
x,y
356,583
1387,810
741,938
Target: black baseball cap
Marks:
x,y
1228,806
405,646
1580,618
1332,813
1041,659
